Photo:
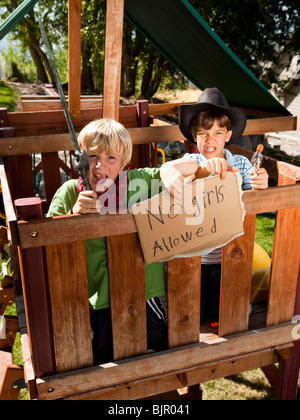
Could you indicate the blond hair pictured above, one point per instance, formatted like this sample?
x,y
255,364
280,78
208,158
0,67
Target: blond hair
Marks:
x,y
106,135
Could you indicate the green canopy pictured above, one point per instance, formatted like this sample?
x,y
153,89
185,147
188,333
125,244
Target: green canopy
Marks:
x,y
176,29
14,18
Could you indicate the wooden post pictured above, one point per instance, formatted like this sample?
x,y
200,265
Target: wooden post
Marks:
x,y
74,50
142,109
288,370
35,288
184,279
127,295
113,58
67,278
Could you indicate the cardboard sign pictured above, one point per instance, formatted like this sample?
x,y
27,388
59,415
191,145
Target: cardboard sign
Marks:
x,y
210,215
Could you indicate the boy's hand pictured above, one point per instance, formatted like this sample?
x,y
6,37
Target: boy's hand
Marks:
x,y
173,181
260,181
86,203
216,166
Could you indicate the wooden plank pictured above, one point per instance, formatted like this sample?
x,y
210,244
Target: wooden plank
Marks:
x,y
7,199
67,281
20,176
70,228
113,58
134,390
164,363
51,172
127,296
12,374
74,58
270,125
236,281
184,278
36,294
285,267
56,142
55,105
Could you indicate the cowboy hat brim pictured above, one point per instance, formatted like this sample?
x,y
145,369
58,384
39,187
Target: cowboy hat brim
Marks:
x,y
187,112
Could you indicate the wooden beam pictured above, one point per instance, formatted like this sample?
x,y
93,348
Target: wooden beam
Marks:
x,y
67,281
50,143
113,58
164,363
76,227
135,390
74,51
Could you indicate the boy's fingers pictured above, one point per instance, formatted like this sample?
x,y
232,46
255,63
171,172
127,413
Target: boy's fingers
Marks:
x,y
231,169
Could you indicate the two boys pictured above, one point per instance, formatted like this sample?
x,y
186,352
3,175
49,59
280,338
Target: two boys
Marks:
x,y
109,148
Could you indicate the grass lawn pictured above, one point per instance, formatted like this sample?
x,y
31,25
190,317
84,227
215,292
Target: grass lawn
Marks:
x,y
8,97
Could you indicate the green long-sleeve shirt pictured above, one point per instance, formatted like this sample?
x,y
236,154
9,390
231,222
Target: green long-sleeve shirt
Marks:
x,y
96,251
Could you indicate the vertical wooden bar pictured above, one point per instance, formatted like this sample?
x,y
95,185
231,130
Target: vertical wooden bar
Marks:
x,y
69,305
285,267
74,50
127,295
36,293
288,370
236,281
113,58
142,109
51,172
18,168
184,279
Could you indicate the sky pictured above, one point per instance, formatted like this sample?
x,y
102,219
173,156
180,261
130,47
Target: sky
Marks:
x,y
3,44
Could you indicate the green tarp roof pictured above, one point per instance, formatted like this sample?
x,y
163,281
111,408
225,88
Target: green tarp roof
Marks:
x,y
176,29
14,18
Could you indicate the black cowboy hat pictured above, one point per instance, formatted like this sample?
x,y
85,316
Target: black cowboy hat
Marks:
x,y
211,100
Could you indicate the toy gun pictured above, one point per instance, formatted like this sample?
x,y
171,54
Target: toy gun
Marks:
x,y
80,159
257,158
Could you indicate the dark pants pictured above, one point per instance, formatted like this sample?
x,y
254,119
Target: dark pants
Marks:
x,y
157,334
210,292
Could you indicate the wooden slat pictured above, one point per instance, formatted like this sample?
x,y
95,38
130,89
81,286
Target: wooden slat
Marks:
x,y
55,105
270,125
236,281
143,135
36,295
184,301
67,280
74,58
127,296
207,372
51,172
285,267
164,363
76,227
113,58
7,199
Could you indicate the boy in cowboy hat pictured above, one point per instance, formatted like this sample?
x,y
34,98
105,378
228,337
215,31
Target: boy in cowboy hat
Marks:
x,y
211,123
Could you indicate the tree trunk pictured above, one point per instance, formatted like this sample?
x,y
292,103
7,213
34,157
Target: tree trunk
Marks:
x,y
87,82
41,74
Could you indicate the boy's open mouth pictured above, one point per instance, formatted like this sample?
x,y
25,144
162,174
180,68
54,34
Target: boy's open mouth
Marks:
x,y
210,149
100,178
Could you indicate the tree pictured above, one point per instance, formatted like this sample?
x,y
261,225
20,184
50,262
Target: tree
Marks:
x,y
255,30
28,33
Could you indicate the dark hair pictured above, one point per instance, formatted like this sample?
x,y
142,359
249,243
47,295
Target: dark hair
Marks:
x,y
206,120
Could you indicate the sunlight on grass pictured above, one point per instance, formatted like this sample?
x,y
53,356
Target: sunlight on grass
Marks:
x,y
8,97
264,233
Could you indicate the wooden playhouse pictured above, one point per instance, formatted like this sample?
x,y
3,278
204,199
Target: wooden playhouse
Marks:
x,y
48,271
